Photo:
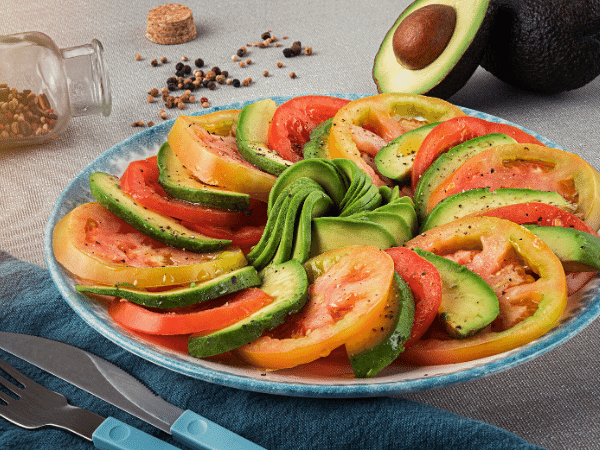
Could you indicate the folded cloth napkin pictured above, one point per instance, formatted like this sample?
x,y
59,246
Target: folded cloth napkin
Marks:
x,y
30,303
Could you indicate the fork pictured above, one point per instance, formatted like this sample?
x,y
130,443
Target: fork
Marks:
x,y
34,406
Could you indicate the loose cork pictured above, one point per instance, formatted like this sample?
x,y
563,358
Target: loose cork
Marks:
x,y
170,24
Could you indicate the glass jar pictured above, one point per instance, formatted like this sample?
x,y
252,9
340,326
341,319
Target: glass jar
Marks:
x,y
42,87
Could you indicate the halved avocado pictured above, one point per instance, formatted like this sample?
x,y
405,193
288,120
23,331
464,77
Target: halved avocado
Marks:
x,y
448,67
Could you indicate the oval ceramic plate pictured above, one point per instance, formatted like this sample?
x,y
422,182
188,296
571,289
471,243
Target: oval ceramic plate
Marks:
x,y
316,382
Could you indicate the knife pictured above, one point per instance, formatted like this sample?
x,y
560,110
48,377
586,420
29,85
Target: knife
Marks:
x,y
115,386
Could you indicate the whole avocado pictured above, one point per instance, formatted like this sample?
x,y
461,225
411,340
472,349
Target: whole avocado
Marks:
x,y
546,46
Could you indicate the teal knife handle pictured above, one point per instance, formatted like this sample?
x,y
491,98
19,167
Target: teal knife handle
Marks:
x,y
113,434
197,432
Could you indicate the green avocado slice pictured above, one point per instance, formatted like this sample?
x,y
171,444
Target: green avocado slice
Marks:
x,y
287,283
226,283
179,182
107,191
251,137
578,251
368,361
469,304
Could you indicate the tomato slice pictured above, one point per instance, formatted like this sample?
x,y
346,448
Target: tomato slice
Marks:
x,y
343,303
525,274
528,166
293,121
538,214
455,131
426,285
203,318
360,128
213,156
551,216
95,245
140,180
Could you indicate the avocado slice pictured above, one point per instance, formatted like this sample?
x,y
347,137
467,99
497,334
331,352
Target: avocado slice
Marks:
x,y
179,182
318,146
452,65
316,204
481,199
404,210
287,283
394,223
386,342
578,251
251,137
544,46
320,170
448,162
330,233
106,189
226,283
469,304
395,160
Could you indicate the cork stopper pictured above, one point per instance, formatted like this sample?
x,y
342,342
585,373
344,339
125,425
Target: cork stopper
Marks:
x,y
170,24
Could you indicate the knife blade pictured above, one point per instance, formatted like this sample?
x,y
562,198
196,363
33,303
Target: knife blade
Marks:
x,y
115,386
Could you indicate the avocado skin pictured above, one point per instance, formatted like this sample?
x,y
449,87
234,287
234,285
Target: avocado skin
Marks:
x,y
546,46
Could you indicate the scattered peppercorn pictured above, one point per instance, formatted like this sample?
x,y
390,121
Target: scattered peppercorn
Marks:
x,y
308,51
288,53
154,63
293,75
179,66
150,124
138,57
199,62
265,35
150,99
235,82
184,58
241,51
280,64
242,64
248,61
163,114
205,104
164,60
266,73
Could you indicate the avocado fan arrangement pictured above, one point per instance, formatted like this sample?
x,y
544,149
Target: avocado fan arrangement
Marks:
x,y
453,240
435,46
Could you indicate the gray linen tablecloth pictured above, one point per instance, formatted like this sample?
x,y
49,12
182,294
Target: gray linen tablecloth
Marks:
x,y
552,401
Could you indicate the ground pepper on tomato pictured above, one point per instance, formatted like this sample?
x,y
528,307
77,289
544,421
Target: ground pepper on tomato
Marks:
x,y
525,274
363,126
455,131
350,292
528,166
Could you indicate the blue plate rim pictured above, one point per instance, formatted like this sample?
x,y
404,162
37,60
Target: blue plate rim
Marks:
x,y
363,388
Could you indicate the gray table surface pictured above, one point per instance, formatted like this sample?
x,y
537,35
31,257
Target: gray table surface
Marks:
x,y
552,401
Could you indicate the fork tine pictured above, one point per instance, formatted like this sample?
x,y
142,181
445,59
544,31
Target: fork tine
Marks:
x,y
11,371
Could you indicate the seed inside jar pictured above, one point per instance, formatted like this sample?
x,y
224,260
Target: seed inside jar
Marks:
x,y
24,113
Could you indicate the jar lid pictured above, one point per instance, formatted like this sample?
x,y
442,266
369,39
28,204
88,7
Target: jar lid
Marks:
x,y
170,24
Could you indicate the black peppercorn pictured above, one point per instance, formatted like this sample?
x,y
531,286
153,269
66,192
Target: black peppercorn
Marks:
x,y
179,66
187,69
199,62
265,35
180,73
189,86
288,52
236,82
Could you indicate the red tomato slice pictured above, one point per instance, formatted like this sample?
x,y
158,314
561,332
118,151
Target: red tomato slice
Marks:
x,y
295,119
426,285
140,180
539,214
204,318
244,237
455,131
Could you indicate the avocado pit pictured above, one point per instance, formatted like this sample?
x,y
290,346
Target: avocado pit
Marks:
x,y
423,35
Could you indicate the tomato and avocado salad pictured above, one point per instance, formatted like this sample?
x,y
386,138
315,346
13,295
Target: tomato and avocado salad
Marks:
x,y
270,234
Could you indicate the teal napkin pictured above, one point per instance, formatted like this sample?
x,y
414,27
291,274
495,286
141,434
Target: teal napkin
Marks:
x,y
30,303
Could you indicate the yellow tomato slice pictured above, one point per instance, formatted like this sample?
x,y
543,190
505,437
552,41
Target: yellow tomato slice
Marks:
x,y
208,149
344,303
526,275
388,116
97,246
